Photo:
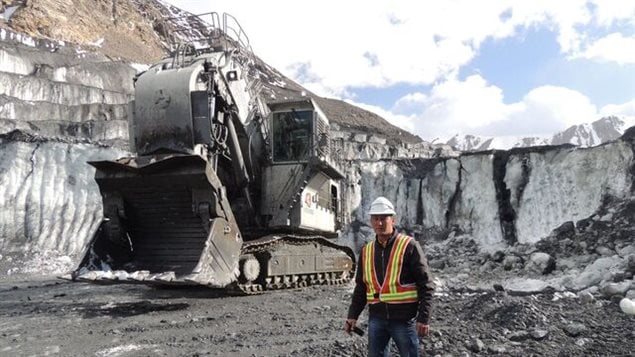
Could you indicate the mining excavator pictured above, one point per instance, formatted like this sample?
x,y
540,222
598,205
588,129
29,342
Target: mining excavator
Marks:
x,y
229,185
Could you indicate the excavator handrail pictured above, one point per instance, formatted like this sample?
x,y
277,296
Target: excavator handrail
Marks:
x,y
240,35
227,35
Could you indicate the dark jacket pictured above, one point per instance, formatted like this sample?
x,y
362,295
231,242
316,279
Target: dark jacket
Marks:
x,y
415,270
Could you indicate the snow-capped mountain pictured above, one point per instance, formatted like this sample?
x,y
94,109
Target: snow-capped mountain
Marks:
x,y
584,135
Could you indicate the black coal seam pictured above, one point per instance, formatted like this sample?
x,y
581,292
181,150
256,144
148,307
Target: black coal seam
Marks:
x,y
506,213
526,167
407,198
629,138
420,212
27,230
449,213
18,135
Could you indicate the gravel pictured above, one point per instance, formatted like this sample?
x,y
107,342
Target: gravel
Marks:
x,y
78,319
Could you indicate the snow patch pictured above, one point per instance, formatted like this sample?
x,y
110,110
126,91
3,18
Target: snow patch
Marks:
x,y
97,43
526,285
8,12
46,263
121,350
140,67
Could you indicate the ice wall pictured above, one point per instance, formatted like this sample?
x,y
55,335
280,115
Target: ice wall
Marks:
x,y
555,186
59,92
59,108
498,198
49,200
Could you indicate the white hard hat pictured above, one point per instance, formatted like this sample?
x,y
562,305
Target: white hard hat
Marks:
x,y
381,205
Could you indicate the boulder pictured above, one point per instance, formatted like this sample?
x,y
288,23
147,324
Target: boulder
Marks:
x,y
541,263
512,262
604,251
574,329
586,297
630,263
498,256
567,229
627,306
475,345
612,289
538,334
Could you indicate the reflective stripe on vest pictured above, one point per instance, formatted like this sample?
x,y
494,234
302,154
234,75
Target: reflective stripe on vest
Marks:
x,y
391,291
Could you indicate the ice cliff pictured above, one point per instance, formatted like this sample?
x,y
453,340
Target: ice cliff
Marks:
x,y
60,108
498,198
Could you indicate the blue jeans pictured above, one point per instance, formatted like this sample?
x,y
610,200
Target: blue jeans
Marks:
x,y
404,333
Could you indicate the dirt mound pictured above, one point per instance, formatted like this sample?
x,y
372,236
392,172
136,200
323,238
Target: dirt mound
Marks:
x,y
354,119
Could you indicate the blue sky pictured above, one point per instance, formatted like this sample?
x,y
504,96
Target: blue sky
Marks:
x,y
438,68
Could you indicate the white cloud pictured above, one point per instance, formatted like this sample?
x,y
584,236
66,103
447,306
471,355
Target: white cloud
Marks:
x,y
334,47
625,109
401,41
610,12
406,122
469,104
454,106
476,107
612,48
551,104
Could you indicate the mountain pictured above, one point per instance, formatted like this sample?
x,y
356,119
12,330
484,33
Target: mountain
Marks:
x,y
584,135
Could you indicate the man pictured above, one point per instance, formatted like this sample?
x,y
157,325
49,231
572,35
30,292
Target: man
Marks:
x,y
394,279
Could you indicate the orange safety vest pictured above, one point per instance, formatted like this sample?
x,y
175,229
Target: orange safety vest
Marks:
x,y
391,291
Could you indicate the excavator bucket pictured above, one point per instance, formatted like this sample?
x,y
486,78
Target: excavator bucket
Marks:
x,y
166,221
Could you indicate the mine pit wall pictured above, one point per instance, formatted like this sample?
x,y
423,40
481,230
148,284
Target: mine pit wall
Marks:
x,y
60,107
499,198
62,92
50,201
566,185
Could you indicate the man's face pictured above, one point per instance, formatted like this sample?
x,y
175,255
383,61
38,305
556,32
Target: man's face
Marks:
x,y
383,224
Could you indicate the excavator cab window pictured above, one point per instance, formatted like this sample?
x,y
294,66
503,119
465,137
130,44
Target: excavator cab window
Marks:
x,y
292,135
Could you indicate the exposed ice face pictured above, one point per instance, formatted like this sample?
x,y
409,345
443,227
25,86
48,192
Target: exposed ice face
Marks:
x,y
520,199
476,208
50,200
565,185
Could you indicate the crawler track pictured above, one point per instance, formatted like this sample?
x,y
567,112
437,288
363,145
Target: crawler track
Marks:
x,y
264,247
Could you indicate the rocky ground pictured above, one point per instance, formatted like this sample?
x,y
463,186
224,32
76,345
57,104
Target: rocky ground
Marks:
x,y
559,297
57,317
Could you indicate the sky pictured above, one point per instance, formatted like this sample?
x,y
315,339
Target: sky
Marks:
x,y
438,68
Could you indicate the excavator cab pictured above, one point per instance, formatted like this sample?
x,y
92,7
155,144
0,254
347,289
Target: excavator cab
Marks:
x,y
301,183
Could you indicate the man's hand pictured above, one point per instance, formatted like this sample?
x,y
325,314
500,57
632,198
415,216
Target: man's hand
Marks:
x,y
349,324
422,329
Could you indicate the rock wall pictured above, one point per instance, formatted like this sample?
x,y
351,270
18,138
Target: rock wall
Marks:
x,y
50,200
59,108
62,92
498,198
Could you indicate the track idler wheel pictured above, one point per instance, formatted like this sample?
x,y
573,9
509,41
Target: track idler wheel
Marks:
x,y
249,268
